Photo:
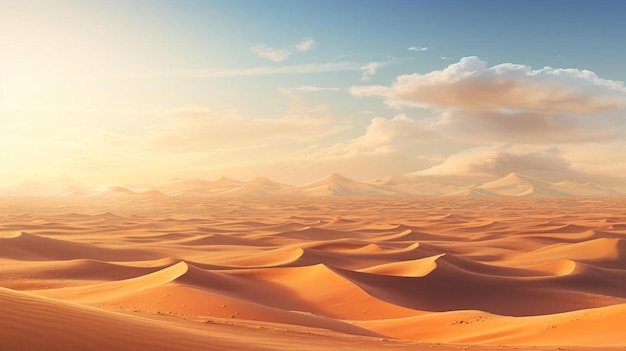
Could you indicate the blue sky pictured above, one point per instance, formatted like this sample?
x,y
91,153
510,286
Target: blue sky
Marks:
x,y
144,91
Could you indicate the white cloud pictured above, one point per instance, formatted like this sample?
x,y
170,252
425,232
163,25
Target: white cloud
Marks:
x,y
310,68
279,55
272,54
313,89
602,163
369,90
388,146
474,103
383,136
500,160
399,128
369,70
471,85
419,48
305,44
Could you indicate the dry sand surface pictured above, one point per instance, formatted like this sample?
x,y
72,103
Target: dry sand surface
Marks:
x,y
326,273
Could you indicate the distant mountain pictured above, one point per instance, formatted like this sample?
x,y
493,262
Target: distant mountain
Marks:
x,y
338,185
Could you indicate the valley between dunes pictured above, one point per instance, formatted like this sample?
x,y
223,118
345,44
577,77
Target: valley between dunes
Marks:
x,y
312,273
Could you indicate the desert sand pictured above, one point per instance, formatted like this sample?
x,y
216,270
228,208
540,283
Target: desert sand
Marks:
x,y
312,273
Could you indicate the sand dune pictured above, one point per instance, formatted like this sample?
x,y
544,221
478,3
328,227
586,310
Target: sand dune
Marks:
x,y
64,273
252,273
338,185
194,187
593,328
334,185
260,186
85,328
519,185
74,191
475,191
415,268
119,191
601,251
20,245
316,234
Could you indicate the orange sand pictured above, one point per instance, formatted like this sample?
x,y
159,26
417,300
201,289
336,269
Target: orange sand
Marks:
x,y
198,273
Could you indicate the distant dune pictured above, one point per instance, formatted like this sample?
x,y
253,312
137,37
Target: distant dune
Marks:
x,y
260,186
116,191
511,185
195,187
338,185
74,191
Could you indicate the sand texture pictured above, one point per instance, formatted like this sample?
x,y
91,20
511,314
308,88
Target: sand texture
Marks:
x,y
161,272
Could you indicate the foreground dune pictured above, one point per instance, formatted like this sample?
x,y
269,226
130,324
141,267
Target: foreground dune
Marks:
x,y
326,273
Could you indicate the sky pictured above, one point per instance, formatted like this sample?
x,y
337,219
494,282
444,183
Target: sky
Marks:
x,y
146,91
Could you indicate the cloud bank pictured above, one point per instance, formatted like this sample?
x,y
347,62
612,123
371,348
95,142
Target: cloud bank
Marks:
x,y
472,86
501,119
500,160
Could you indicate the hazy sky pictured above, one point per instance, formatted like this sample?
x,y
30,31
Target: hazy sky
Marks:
x,y
145,91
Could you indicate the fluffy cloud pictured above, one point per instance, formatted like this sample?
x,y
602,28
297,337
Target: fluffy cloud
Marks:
x,y
370,90
389,146
501,160
471,85
278,55
305,44
383,136
269,53
511,103
602,163
369,70
313,89
399,128
419,48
